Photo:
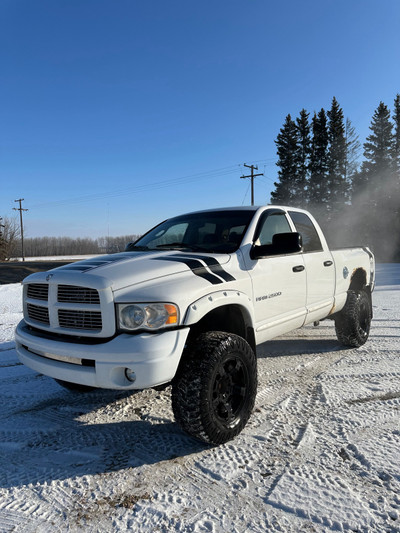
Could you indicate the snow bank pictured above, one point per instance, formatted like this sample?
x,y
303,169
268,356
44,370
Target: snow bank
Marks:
x,y
10,312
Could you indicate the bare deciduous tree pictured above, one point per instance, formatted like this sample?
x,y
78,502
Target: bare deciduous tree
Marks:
x,y
9,238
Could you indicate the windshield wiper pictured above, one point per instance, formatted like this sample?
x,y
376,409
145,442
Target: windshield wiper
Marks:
x,y
181,246
173,245
134,248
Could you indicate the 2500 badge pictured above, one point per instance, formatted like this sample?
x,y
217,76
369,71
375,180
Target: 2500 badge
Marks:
x,y
268,296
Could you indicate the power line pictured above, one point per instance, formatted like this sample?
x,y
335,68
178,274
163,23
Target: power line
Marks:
x,y
153,186
2,241
140,188
244,198
270,160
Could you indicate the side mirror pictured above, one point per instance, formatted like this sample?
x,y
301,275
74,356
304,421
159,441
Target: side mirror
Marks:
x,y
282,244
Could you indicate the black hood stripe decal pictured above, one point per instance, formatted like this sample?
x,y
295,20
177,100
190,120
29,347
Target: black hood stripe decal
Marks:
x,y
215,267
213,275
205,267
195,266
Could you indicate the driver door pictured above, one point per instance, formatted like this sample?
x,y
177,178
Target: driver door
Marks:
x,y
279,282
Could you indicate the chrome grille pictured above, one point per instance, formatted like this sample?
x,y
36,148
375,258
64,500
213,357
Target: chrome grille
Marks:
x,y
74,319
72,294
38,313
38,291
69,309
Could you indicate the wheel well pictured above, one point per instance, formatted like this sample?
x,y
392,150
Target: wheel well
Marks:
x,y
359,283
358,280
227,318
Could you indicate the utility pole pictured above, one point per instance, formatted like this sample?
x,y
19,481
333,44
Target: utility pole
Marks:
x,y
1,239
252,176
20,209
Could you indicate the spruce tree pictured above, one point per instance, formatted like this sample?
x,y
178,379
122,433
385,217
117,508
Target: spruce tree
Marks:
x,y
353,147
396,177
318,187
396,144
378,152
287,150
338,193
378,147
375,188
303,157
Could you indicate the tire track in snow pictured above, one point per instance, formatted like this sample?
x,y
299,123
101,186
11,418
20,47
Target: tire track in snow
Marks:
x,y
299,439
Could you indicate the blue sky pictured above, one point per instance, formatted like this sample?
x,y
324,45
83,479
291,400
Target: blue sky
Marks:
x,y
116,114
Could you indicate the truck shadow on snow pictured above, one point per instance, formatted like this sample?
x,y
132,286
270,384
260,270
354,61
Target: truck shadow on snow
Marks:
x,y
298,346
48,433
68,434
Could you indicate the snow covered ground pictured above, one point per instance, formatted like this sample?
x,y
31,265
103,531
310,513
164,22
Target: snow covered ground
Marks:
x,y
321,452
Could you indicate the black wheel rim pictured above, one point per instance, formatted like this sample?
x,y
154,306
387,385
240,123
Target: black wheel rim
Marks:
x,y
229,390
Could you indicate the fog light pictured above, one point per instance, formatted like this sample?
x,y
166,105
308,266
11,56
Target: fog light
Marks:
x,y
130,375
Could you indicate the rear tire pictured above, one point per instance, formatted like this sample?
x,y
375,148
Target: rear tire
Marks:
x,y
215,387
353,323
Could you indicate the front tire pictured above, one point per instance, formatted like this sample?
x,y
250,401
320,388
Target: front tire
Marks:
x,y
353,323
215,387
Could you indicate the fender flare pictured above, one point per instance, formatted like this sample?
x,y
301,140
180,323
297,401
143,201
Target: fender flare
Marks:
x,y
201,307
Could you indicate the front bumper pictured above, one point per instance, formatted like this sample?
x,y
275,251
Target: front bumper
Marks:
x,y
154,358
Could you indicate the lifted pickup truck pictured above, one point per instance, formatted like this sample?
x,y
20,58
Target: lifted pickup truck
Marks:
x,y
188,303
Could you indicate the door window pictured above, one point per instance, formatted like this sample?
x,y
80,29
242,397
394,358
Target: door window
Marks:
x,y
271,225
304,226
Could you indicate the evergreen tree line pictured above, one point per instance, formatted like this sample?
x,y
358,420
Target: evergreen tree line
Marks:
x,y
356,203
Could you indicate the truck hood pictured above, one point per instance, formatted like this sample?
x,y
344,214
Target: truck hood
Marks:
x,y
130,268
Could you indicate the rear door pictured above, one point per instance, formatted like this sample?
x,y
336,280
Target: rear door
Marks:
x,y
319,268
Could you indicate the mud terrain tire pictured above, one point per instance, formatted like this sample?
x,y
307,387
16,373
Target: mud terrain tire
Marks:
x,y
353,323
215,387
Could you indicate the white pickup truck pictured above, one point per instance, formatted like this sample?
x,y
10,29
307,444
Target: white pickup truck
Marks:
x,y
188,303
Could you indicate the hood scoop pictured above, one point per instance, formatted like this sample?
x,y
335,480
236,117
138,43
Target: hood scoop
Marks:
x,y
96,262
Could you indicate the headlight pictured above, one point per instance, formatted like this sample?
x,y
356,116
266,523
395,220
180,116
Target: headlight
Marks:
x,y
149,316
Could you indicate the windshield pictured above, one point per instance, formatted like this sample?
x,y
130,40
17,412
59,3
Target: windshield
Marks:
x,y
209,231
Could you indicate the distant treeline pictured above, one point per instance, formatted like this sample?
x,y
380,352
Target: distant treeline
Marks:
x,y
64,246
11,245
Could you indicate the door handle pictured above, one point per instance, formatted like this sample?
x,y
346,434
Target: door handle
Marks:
x,y
298,268
328,263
